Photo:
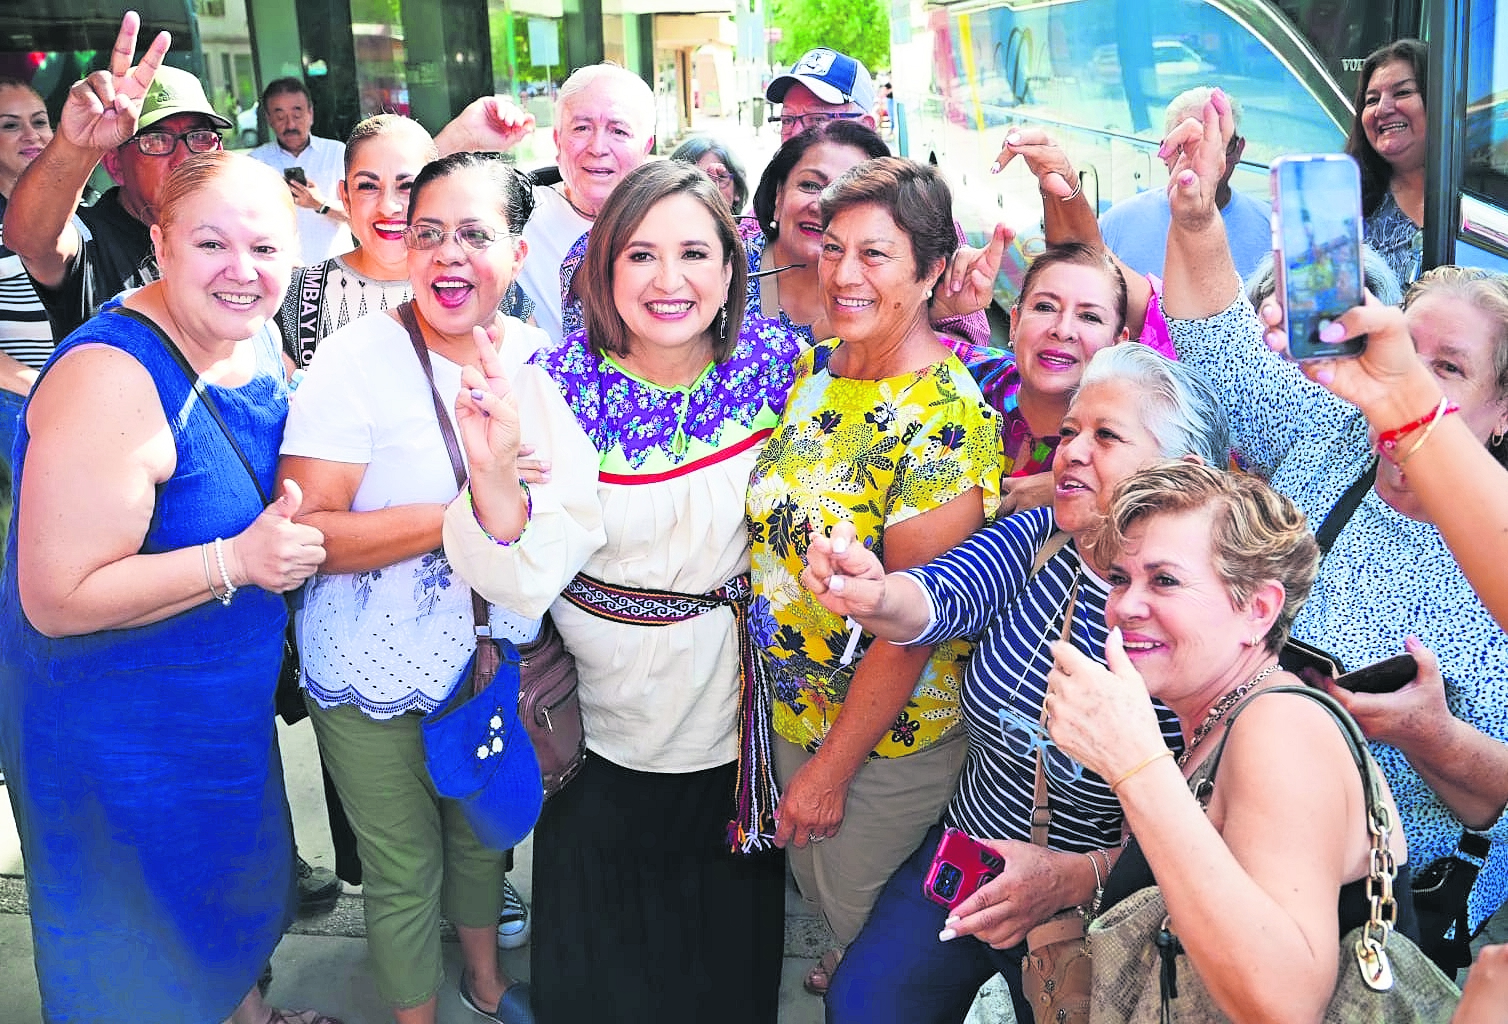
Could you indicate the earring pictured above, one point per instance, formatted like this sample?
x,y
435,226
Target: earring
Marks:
x,y
722,323
1497,438
774,226
929,294
1254,641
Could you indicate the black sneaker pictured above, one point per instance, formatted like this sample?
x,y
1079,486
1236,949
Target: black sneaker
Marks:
x,y
513,922
318,889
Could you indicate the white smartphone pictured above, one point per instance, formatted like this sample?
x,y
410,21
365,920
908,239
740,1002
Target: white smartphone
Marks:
x,y
1316,241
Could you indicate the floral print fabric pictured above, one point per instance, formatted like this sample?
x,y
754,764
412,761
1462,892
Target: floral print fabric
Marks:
x,y
874,453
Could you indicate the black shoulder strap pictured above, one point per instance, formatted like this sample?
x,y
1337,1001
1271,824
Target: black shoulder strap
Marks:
x,y
205,398
1344,509
1348,727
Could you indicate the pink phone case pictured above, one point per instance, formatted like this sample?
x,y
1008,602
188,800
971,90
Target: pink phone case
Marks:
x,y
960,866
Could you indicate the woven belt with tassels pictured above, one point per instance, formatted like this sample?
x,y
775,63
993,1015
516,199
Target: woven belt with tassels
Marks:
x,y
758,793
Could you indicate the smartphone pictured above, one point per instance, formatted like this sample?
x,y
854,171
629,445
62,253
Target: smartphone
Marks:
x,y
1307,661
1316,241
960,866
1384,677
295,174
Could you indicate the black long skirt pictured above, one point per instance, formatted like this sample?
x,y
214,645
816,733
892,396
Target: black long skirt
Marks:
x,y
641,913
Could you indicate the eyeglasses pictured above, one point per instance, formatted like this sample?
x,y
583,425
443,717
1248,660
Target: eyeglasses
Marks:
x,y
1024,736
812,120
200,140
424,237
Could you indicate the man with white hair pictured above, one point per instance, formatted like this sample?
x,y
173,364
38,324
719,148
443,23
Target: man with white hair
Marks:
x,y
1136,229
822,85
604,128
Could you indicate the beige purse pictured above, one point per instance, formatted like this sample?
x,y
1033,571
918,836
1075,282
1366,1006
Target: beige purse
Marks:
x,y
1142,976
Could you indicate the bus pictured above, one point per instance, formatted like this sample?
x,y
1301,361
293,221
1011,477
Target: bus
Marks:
x,y
1097,75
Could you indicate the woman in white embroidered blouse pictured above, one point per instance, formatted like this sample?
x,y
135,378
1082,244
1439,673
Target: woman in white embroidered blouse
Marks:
x,y
386,630
636,894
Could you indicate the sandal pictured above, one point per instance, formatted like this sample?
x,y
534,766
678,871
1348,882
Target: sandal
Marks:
x,y
821,976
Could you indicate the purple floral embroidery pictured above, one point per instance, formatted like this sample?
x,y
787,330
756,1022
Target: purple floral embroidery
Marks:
x,y
618,411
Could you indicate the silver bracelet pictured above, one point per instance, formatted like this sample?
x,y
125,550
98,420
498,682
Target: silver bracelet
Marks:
x,y
1099,884
230,588
1075,193
204,557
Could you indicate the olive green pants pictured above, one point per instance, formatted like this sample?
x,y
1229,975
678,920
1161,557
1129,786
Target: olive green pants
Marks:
x,y
419,857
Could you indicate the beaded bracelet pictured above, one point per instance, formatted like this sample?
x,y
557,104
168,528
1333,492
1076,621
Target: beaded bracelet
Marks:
x,y
230,588
528,515
1387,441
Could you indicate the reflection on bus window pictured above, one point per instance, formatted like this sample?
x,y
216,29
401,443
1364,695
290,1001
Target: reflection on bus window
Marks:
x,y
1487,102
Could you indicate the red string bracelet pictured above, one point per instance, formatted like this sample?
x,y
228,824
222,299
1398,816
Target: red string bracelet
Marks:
x,y
1388,440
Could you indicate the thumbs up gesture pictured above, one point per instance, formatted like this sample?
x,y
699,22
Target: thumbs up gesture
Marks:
x,y
274,552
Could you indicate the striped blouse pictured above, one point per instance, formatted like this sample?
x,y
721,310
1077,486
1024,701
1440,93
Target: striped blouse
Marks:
x,y
984,588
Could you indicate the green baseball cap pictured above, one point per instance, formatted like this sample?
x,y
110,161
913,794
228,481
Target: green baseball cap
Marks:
x,y
175,91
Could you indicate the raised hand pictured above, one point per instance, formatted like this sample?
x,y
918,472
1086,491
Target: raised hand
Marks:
x,y
969,284
274,552
101,110
1044,158
1101,716
491,123
1195,149
486,411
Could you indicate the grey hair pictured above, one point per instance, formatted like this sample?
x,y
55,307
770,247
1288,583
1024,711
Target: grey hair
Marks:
x,y
1190,103
1180,408
625,84
1379,277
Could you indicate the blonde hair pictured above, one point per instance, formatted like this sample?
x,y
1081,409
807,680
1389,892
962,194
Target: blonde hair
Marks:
x,y
201,170
1256,534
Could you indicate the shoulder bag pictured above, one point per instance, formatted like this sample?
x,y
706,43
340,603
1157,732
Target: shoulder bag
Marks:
x,y
548,704
1442,889
1142,975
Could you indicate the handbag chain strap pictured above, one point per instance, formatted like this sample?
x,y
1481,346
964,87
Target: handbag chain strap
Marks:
x,y
481,614
1371,956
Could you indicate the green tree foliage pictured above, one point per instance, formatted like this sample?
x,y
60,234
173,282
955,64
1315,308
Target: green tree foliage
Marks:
x,y
859,28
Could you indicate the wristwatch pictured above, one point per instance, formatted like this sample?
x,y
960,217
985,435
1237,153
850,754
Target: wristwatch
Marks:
x,y
324,209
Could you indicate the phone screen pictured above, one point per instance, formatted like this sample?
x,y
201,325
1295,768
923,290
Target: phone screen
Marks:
x,y
1317,235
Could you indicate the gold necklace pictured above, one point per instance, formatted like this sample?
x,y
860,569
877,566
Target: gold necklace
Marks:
x,y
1217,712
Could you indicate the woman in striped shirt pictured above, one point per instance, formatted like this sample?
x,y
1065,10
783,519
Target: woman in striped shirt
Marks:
x,y
1133,408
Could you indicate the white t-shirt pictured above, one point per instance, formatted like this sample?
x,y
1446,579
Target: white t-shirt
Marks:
x,y
394,639
324,162
552,229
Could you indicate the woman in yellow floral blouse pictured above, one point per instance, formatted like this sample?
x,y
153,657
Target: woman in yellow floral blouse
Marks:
x,y
884,429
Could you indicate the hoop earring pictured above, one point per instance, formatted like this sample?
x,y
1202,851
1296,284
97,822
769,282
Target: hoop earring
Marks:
x,y
1497,438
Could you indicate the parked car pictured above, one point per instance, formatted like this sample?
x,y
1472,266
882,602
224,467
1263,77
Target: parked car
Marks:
x,y
1176,66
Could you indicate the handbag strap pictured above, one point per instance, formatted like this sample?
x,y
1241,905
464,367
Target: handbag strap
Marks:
x,y
481,614
1344,509
1383,869
1041,805
205,398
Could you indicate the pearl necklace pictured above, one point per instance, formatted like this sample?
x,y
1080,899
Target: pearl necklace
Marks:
x,y
1217,712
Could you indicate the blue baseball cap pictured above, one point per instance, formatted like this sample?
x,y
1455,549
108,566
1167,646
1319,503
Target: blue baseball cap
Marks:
x,y
832,77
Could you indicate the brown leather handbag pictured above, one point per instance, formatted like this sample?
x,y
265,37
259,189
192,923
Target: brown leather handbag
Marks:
x,y
550,708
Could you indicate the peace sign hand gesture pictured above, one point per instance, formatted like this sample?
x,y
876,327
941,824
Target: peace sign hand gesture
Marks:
x,y
102,109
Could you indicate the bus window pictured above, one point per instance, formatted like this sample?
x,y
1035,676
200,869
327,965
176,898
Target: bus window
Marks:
x,y
1487,103
1343,32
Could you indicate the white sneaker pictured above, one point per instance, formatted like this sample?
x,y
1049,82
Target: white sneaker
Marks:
x,y
513,922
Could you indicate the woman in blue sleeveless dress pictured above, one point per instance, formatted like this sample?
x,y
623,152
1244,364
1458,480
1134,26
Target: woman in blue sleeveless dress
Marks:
x,y
141,626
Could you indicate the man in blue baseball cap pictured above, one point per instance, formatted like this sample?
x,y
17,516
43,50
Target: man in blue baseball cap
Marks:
x,y
822,85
